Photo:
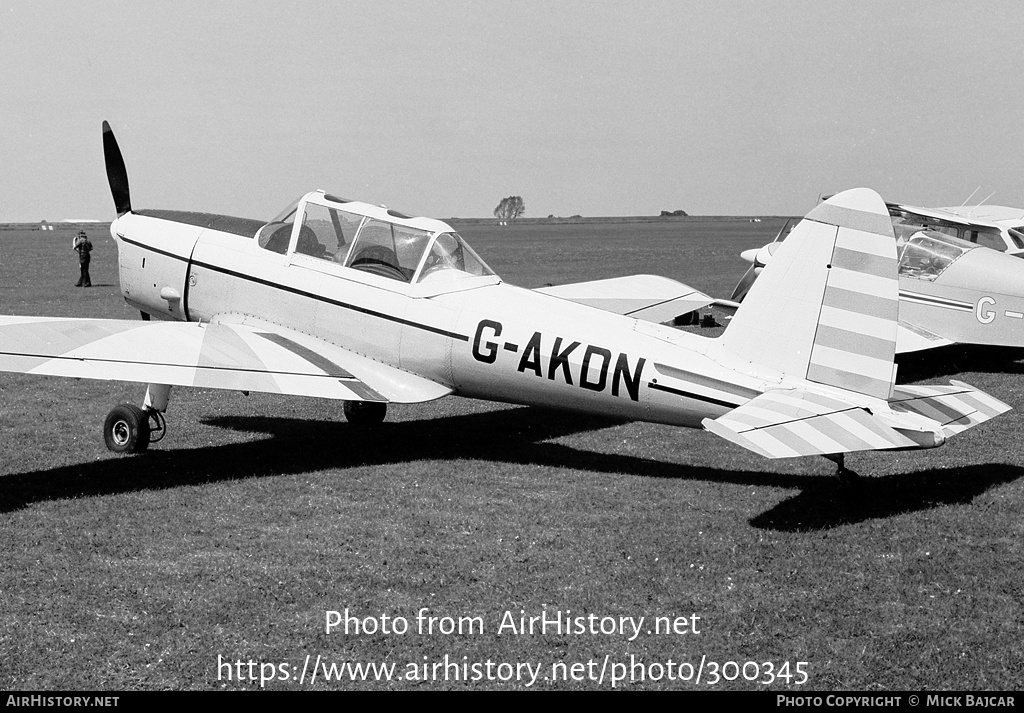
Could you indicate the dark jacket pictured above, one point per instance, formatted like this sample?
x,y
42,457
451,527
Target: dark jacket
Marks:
x,y
84,247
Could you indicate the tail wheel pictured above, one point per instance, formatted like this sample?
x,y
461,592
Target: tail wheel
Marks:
x,y
848,478
365,413
126,429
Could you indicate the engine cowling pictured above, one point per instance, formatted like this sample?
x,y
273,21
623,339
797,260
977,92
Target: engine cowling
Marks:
x,y
154,269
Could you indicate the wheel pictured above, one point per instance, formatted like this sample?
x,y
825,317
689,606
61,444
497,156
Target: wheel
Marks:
x,y
365,413
126,429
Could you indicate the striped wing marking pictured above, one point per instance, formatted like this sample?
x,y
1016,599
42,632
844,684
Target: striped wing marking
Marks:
x,y
791,423
956,407
238,356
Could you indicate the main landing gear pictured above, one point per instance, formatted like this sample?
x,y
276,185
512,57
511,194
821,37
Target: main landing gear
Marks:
x,y
130,429
846,476
365,413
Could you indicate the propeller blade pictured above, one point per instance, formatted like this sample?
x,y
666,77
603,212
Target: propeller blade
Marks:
x,y
781,235
743,287
117,174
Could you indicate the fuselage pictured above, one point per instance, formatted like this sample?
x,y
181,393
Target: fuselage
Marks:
x,y
476,334
977,298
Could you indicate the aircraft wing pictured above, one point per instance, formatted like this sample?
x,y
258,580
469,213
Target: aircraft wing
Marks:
x,y
793,422
648,297
243,355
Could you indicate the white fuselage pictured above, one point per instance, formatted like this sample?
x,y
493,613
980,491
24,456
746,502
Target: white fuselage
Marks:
x,y
484,338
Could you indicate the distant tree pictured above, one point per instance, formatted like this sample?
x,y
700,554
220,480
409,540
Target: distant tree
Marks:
x,y
510,208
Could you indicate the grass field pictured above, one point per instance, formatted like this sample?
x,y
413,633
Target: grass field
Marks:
x,y
233,537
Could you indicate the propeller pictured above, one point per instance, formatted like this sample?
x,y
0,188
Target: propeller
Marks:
x,y
758,258
117,174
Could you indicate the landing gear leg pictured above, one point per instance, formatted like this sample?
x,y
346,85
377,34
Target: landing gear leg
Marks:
x,y
845,475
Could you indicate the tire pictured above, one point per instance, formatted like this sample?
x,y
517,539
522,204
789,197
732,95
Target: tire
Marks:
x,y
365,413
126,429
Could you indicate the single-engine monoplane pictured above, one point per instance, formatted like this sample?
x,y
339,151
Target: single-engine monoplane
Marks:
x,y
345,300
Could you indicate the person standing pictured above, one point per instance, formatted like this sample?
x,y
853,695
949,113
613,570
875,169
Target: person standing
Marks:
x,y
83,247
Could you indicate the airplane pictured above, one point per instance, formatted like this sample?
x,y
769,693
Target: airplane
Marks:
x,y
997,227
345,300
1000,228
951,290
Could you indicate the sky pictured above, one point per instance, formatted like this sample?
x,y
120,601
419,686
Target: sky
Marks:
x,y
443,108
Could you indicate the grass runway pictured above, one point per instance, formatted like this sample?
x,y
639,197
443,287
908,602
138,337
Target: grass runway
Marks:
x,y
232,538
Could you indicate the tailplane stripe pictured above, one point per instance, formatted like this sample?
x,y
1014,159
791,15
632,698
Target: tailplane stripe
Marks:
x,y
865,242
867,324
852,363
808,440
848,380
857,261
867,221
861,302
845,436
860,283
854,343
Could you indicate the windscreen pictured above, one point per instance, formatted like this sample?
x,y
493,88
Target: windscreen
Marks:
x,y
450,256
927,254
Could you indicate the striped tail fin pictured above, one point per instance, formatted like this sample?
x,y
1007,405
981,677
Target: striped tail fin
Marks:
x,y
826,307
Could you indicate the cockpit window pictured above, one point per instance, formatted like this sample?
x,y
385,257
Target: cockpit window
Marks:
x,y
388,250
986,238
327,233
1017,236
904,231
920,222
275,235
379,247
926,254
449,254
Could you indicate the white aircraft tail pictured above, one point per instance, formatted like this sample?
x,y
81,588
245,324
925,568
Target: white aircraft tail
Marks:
x,y
827,305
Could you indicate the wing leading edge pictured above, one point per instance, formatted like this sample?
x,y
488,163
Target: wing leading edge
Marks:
x,y
243,355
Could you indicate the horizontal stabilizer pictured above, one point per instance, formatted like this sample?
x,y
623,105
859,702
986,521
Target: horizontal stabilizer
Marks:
x,y
647,297
956,407
794,422
244,355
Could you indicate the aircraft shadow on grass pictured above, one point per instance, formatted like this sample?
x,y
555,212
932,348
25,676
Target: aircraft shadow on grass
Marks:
x,y
299,446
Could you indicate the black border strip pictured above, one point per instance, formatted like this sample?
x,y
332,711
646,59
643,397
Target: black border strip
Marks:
x,y
690,395
302,293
